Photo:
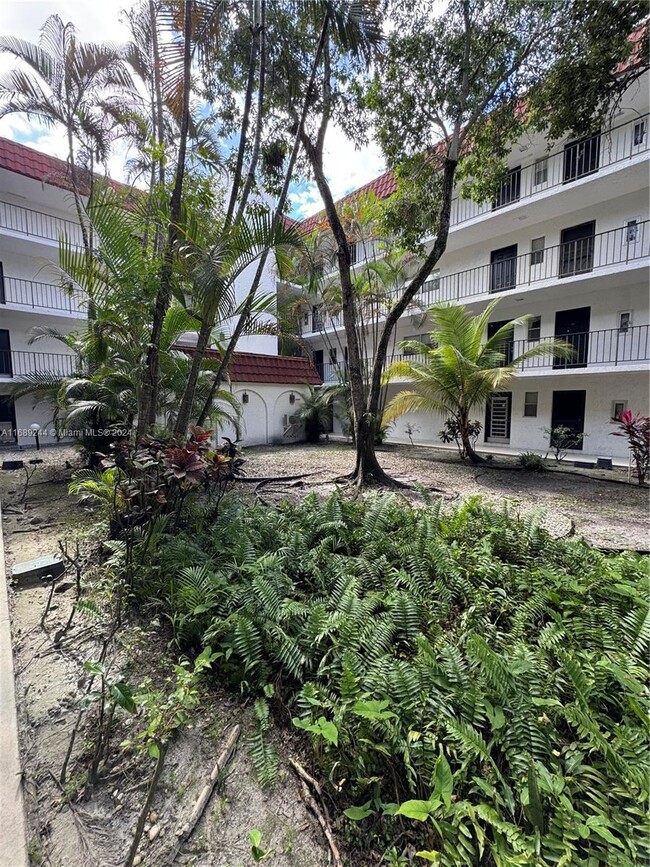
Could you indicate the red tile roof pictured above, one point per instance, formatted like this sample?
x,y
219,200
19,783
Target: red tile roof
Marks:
x,y
273,369
637,51
382,187
23,160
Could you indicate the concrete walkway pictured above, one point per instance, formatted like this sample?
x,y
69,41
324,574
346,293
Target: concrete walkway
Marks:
x,y
13,840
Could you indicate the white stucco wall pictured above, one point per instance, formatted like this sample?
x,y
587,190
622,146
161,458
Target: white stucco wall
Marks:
x,y
263,416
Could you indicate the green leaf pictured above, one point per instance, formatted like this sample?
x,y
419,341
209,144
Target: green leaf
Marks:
x,y
255,837
358,813
443,779
123,696
429,855
419,810
322,727
534,810
154,751
372,709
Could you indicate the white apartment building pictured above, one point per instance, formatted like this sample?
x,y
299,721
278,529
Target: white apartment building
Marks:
x,y
36,207
567,240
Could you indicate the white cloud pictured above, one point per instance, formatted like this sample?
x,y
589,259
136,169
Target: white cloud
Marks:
x,y
346,167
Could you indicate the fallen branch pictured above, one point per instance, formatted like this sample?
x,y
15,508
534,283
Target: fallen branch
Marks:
x,y
310,801
267,479
206,792
298,768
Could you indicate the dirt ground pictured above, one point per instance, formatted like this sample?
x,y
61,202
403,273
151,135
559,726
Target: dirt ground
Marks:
x,y
604,508
67,830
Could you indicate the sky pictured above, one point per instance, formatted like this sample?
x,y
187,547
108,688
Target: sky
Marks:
x,y
100,21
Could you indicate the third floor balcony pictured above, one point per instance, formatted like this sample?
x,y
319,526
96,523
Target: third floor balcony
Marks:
x,y
36,225
16,363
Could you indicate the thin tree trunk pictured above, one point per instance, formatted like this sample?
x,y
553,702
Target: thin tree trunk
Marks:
x,y
210,309
151,384
250,298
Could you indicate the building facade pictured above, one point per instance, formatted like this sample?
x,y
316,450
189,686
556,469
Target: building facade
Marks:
x,y
36,207
566,241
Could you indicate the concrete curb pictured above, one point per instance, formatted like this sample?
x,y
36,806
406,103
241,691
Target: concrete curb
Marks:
x,y
13,839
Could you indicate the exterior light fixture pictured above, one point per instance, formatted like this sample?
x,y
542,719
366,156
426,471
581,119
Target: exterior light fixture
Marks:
x,y
244,397
35,428
292,398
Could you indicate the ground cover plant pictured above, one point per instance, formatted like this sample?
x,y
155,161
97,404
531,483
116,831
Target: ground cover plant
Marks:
x,y
471,687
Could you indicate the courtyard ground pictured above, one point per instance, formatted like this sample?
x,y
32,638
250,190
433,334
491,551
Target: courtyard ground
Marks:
x,y
67,830
599,506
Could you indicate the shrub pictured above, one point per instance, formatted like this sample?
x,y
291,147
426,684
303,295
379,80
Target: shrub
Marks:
x,y
562,439
452,433
636,429
464,669
534,463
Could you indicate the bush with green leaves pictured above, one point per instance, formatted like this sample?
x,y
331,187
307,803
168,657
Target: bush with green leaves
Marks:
x,y
470,685
533,462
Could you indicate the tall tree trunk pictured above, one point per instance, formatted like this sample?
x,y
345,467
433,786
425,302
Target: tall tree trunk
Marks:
x,y
250,298
151,385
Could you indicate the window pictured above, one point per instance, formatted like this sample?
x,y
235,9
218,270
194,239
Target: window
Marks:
x,y
541,171
631,231
5,353
581,157
2,285
354,253
504,268
535,328
333,355
618,408
530,404
316,317
537,251
624,321
639,132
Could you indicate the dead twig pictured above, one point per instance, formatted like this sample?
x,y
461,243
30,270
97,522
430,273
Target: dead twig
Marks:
x,y
202,801
298,768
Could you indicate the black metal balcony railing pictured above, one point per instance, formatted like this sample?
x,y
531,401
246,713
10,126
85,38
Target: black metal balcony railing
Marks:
x,y
34,294
610,346
35,224
16,363
576,160
571,259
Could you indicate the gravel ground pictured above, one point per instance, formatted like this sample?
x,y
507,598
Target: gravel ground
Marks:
x,y
601,506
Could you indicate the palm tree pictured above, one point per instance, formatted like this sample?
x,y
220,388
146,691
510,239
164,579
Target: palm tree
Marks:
x,y
315,411
60,81
461,369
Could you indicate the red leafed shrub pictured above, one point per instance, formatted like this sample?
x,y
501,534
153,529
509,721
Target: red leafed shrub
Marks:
x,y
636,429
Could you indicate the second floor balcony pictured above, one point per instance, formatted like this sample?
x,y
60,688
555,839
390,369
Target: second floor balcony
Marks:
x,y
16,363
581,253
36,295
612,348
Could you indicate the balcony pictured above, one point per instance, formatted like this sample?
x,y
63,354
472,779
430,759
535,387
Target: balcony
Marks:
x,y
38,296
618,247
611,347
570,259
575,160
34,224
16,363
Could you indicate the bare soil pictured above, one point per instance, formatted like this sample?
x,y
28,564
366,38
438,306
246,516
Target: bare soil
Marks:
x,y
65,827
68,829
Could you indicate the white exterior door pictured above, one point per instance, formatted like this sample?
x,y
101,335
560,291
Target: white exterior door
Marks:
x,y
499,419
